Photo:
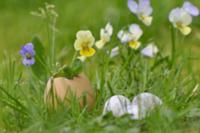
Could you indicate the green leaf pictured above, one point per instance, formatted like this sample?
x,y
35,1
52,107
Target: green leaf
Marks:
x,y
40,66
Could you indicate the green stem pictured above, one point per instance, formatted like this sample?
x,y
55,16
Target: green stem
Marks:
x,y
74,58
173,50
53,42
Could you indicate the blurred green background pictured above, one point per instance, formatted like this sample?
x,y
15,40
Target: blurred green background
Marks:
x,y
18,26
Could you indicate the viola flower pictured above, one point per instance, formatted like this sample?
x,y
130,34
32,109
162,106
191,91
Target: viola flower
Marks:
x,y
190,8
150,50
132,36
28,54
117,105
105,35
181,20
84,42
142,104
142,10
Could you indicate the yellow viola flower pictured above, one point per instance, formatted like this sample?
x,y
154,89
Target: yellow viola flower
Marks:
x,y
105,35
84,42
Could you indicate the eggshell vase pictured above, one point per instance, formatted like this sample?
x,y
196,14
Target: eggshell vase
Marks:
x,y
62,90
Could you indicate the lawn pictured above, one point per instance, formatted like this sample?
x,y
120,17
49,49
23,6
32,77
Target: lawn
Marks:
x,y
22,106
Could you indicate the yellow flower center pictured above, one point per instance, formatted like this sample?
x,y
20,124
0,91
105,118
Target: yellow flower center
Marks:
x,y
142,17
179,25
134,44
87,51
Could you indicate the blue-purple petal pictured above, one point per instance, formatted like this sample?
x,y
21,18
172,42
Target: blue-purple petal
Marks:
x,y
190,8
133,6
28,53
144,7
28,62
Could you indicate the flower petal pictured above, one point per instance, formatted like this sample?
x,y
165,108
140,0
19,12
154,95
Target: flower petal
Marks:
x,y
28,48
82,58
186,30
99,44
142,104
145,8
147,20
134,44
133,6
124,36
117,105
150,50
136,31
28,62
191,9
88,52
109,29
114,52
179,15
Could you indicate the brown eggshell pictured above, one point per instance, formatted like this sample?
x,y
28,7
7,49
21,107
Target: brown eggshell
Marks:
x,y
61,89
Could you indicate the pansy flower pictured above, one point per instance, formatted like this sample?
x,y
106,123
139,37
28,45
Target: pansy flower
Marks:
x,y
132,36
83,44
28,53
142,10
105,35
181,18
150,50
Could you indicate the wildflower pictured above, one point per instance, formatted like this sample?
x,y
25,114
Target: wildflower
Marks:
x,y
28,53
142,104
84,42
114,52
131,36
117,105
142,10
191,9
105,35
150,50
181,18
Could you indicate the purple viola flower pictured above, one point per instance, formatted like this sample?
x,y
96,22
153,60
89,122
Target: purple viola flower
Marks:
x,y
28,54
142,10
191,9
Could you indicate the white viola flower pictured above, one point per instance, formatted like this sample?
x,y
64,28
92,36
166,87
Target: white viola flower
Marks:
x,y
117,105
142,9
150,50
114,52
131,36
181,20
190,8
124,36
142,104
105,36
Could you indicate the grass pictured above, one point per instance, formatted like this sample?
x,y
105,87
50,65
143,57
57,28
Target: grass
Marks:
x,y
22,108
